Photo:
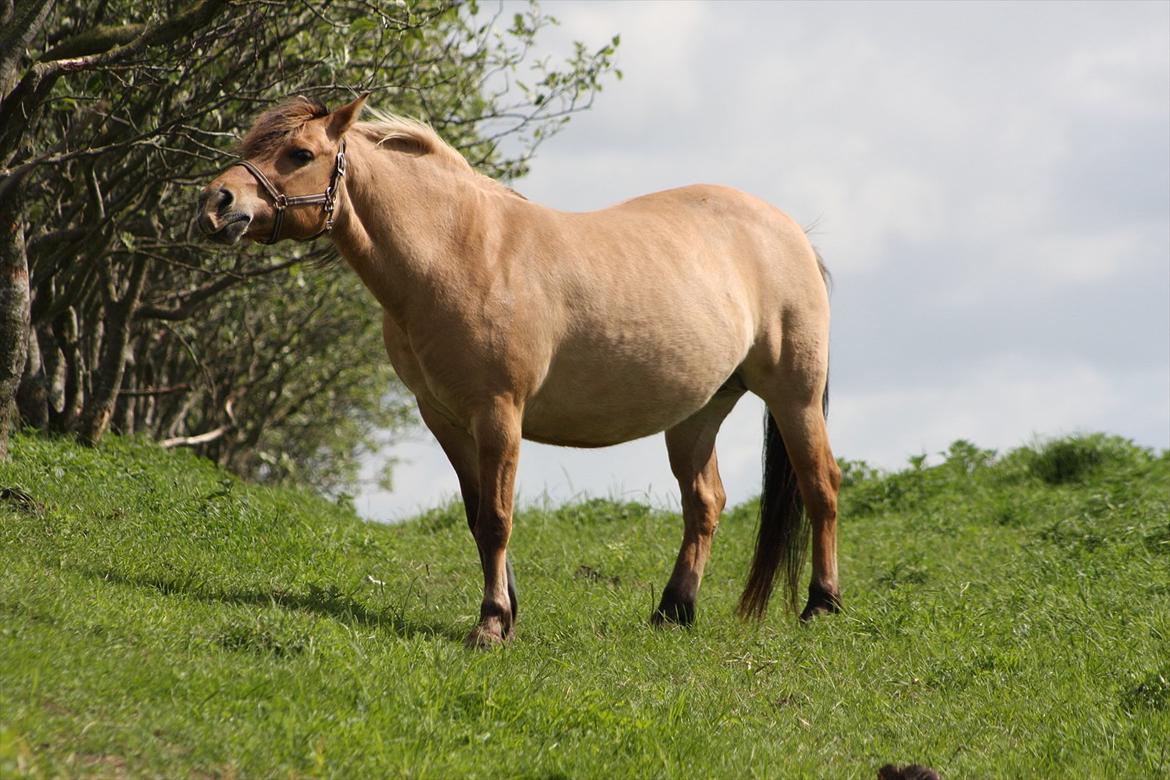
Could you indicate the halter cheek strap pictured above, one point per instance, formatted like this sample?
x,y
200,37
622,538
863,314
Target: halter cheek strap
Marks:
x,y
326,200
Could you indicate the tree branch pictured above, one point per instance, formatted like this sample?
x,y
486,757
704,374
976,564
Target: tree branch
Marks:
x,y
94,41
203,438
156,35
194,441
153,391
19,25
193,298
18,106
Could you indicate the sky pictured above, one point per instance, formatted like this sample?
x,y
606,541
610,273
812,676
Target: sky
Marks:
x,y
989,184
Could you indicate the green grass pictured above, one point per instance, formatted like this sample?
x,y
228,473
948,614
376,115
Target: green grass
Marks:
x,y
1006,617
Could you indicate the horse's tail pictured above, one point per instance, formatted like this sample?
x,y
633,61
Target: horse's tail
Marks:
x,y
784,528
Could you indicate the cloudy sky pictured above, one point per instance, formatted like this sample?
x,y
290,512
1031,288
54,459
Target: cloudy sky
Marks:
x,y
990,185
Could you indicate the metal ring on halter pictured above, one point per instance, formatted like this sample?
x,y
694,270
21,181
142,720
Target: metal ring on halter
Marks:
x,y
280,201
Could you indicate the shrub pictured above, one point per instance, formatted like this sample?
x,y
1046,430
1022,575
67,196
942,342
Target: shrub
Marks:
x,y
1074,458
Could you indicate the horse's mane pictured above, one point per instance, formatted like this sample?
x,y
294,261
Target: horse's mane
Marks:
x,y
274,126
391,131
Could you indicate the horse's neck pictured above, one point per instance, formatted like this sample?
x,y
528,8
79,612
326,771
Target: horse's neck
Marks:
x,y
399,225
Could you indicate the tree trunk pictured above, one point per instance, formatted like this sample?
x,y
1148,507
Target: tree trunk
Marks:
x,y
14,313
70,373
32,398
19,24
111,361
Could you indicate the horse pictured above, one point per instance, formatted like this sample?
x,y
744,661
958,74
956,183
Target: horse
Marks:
x,y
508,320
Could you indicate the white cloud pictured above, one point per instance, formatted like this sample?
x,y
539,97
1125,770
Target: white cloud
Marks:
x,y
1123,78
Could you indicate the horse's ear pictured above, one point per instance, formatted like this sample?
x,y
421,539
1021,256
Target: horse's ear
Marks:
x,y
343,118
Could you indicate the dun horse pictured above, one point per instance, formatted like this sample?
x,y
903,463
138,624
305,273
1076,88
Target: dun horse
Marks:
x,y
508,320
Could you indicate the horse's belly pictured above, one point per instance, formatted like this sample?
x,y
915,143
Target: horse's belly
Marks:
x,y
620,376
584,405
602,425
609,420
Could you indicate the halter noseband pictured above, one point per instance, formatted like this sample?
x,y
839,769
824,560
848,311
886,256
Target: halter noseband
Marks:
x,y
327,199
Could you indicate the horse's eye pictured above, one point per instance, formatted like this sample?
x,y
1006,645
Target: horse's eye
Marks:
x,y
302,156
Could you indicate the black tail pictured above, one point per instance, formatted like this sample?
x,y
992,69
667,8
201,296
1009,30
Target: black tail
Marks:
x,y
784,528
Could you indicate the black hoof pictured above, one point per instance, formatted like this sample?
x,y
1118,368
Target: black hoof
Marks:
x,y
820,602
674,609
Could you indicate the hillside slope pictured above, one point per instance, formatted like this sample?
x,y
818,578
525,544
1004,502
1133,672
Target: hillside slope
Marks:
x,y
1005,617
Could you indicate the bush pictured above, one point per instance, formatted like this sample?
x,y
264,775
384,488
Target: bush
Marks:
x,y
1074,458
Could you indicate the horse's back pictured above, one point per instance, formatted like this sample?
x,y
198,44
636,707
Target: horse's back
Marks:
x,y
711,238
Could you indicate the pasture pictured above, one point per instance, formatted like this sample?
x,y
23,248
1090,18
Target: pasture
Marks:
x,y
1005,617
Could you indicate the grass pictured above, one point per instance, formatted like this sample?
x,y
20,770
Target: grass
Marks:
x,y
1006,617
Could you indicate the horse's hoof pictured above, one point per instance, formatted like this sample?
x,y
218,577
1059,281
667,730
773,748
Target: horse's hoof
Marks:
x,y
821,601
662,619
673,610
484,638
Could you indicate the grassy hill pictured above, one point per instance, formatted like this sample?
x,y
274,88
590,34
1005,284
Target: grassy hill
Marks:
x,y
1005,616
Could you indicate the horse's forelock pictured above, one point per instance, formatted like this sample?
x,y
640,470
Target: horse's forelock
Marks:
x,y
274,126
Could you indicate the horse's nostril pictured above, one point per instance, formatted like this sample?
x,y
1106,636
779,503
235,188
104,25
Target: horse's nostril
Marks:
x,y
225,199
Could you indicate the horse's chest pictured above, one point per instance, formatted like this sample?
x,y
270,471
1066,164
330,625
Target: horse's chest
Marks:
x,y
455,368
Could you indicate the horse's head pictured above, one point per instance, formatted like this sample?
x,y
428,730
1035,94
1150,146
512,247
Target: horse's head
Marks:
x,y
290,173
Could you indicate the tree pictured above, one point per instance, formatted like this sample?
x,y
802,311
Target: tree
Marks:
x,y
114,315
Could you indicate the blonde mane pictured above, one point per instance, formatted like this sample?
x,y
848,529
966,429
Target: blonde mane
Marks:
x,y
391,131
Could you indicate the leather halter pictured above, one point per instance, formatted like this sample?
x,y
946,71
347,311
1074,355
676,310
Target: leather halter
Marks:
x,y
327,199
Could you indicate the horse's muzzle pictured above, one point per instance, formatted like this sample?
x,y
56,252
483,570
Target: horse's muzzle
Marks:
x,y
216,219
227,229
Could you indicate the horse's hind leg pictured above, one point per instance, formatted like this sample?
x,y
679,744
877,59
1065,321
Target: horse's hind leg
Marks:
x,y
807,441
691,447
797,406
790,371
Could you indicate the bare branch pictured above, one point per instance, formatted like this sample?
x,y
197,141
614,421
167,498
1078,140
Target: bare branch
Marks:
x,y
194,441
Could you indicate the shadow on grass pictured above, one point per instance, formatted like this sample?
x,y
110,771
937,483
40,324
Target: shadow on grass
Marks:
x,y
329,602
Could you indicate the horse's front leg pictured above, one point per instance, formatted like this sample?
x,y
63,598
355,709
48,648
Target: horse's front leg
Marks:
x,y
496,431
460,449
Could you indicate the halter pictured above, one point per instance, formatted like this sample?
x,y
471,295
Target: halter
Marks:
x,y
281,201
